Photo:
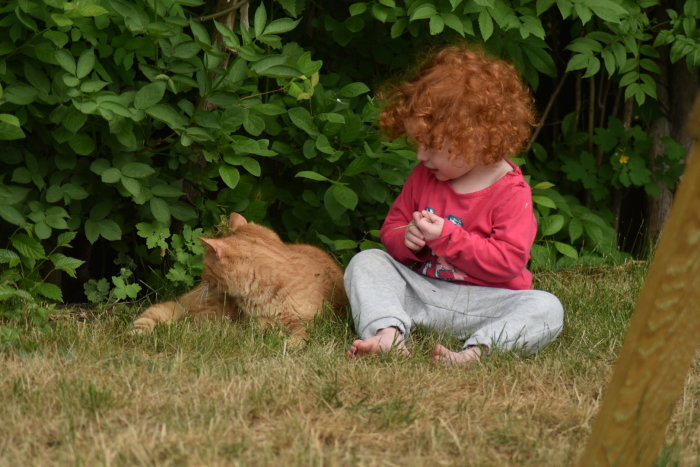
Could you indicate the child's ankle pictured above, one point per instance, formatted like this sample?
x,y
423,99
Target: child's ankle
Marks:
x,y
392,331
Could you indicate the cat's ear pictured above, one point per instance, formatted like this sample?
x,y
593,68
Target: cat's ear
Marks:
x,y
212,243
235,220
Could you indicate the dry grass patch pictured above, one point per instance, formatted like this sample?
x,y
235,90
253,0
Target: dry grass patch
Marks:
x,y
220,394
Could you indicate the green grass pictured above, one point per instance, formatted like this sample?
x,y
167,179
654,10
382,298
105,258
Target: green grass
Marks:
x,y
87,393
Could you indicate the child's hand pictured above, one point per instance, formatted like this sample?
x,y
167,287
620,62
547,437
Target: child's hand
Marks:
x,y
413,239
429,224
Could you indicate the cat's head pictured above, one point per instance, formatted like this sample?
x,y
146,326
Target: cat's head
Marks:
x,y
238,250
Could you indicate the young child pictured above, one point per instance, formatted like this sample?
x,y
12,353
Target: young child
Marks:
x,y
459,235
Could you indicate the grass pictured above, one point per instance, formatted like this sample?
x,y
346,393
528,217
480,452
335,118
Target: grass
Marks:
x,y
87,393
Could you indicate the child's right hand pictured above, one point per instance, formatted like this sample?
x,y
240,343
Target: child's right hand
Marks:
x,y
414,239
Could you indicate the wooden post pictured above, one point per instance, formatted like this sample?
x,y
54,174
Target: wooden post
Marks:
x,y
663,337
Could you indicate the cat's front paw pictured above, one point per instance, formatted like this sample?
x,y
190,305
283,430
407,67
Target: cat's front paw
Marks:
x,y
142,326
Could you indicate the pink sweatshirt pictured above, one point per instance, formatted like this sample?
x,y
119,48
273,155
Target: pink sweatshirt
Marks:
x,y
487,235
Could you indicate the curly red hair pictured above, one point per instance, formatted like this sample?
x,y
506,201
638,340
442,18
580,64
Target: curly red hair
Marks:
x,y
477,103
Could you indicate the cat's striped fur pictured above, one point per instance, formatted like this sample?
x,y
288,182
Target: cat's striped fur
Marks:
x,y
252,274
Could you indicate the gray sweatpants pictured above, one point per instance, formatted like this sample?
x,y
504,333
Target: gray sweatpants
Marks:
x,y
384,293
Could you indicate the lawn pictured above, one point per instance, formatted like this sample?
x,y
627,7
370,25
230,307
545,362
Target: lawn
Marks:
x,y
87,393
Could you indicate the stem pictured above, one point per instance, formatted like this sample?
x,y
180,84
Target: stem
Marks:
x,y
264,93
236,5
591,111
578,99
547,109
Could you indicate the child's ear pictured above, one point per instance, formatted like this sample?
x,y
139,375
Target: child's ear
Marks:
x,y
235,220
213,244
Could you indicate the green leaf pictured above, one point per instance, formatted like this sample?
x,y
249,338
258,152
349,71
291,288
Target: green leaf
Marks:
x,y
550,225
123,291
332,117
167,114
544,201
42,230
311,175
353,90
302,119
575,229
12,215
65,238
7,292
82,144
424,11
252,166
230,175
66,263
65,60
357,8
132,185
345,196
436,24
111,175
260,20
485,24
607,10
323,145
28,246
9,257
269,109
344,244
91,10
50,291
200,32
453,22
20,94
160,210
543,186
262,65
166,191
149,95
55,217
280,26
106,228
10,128
245,145
186,50
359,165
137,170
566,250
74,120
86,63
74,191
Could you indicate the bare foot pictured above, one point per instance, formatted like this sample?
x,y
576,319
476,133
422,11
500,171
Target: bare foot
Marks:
x,y
467,356
383,342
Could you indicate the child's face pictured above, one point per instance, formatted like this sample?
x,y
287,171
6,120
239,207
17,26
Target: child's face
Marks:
x,y
439,163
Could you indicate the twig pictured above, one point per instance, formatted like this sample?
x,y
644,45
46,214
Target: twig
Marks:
x,y
403,226
235,6
536,133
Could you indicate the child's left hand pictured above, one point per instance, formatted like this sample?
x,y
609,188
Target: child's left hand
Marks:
x,y
430,225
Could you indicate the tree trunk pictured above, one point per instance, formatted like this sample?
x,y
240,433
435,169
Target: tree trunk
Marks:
x,y
676,89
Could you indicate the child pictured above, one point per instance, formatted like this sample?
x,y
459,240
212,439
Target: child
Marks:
x,y
459,235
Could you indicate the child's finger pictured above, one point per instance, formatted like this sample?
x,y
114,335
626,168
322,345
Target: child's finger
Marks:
x,y
430,216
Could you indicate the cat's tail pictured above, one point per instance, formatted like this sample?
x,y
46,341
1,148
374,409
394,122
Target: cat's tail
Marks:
x,y
165,312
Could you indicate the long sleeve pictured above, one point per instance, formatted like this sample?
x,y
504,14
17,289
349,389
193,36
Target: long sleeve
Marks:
x,y
399,216
486,238
492,254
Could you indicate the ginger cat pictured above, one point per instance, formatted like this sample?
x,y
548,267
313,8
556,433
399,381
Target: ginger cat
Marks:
x,y
252,274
